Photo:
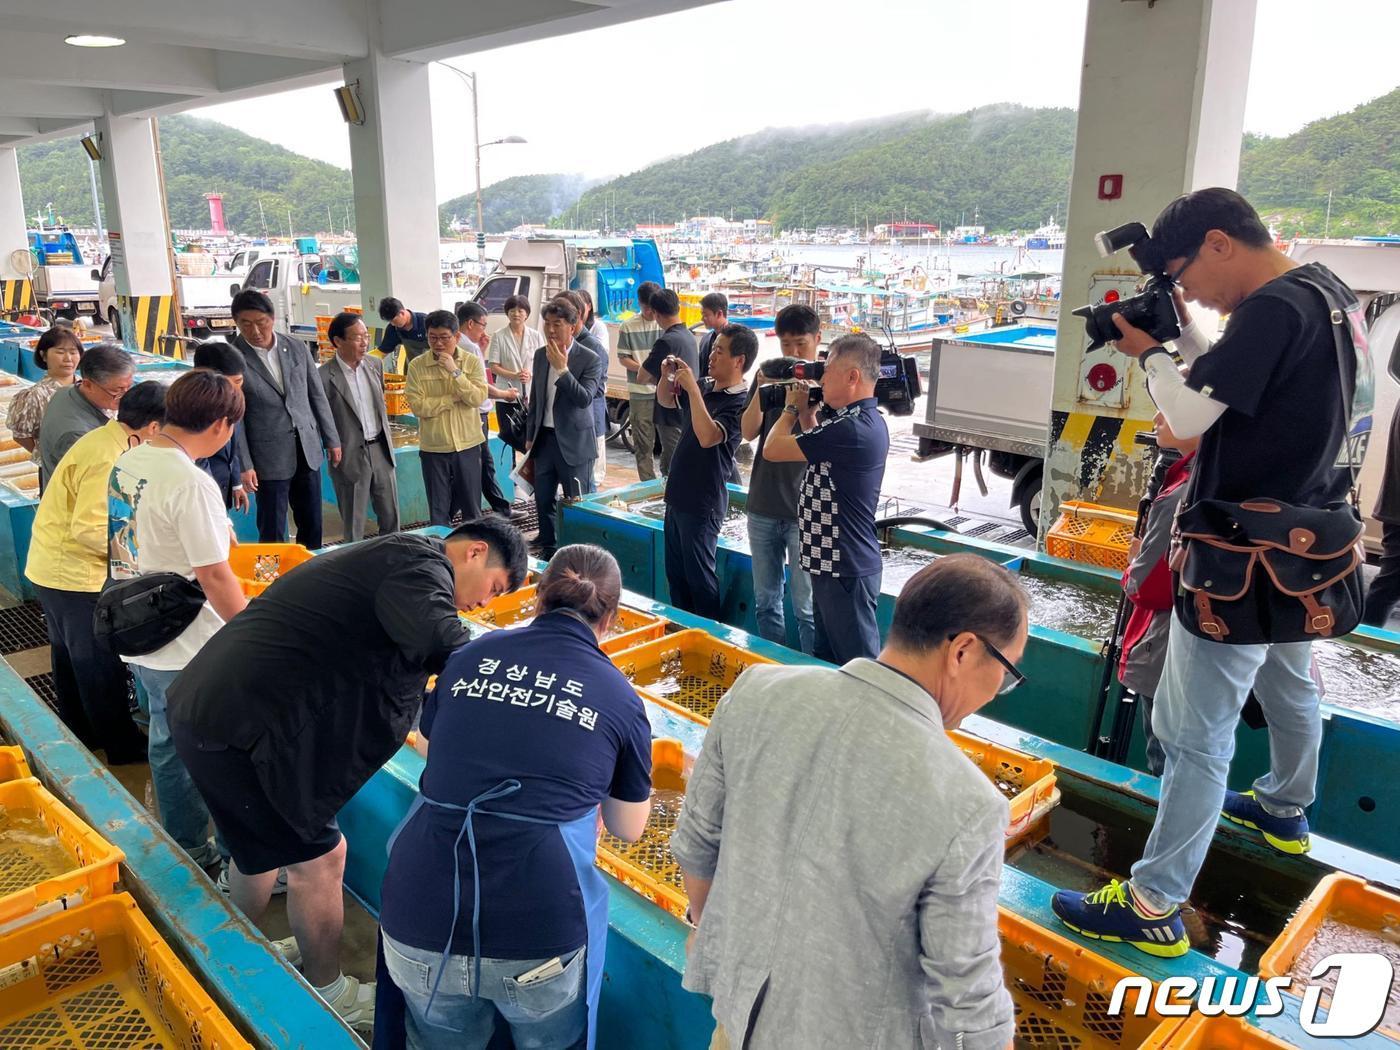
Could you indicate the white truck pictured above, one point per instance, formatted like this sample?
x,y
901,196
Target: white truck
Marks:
x,y
989,394
63,282
289,280
204,301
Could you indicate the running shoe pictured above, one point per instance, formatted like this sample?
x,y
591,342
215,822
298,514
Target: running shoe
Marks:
x,y
1285,834
355,1003
1110,914
288,948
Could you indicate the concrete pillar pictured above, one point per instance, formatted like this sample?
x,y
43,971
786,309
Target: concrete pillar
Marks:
x,y
16,289
391,162
137,228
1161,104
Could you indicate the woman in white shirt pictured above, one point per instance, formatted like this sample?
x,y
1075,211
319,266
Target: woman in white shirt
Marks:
x,y
165,514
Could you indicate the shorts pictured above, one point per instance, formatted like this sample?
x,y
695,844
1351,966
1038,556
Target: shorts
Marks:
x,y
257,835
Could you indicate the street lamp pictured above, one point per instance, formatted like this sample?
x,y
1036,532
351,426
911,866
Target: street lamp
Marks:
x,y
470,79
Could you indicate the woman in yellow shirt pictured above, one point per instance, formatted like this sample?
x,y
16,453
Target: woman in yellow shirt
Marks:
x,y
67,564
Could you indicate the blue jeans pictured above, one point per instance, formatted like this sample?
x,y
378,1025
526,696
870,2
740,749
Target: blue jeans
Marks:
x,y
1194,714
551,1014
773,541
181,808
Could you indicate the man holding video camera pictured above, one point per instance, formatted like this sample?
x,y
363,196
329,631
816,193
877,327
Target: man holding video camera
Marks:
x,y
845,451
1265,555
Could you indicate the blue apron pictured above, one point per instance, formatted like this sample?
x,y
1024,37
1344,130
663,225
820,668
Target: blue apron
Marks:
x,y
581,839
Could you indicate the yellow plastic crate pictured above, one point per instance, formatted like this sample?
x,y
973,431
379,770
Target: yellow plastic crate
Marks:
x,y
1198,1032
646,866
259,565
99,977
59,855
1062,991
1344,899
1087,532
518,608
1027,783
688,671
395,397
12,764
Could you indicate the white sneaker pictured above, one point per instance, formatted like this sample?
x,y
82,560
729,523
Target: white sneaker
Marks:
x,y
279,888
355,1003
289,950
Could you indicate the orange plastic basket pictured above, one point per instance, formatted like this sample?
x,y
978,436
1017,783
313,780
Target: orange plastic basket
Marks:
x,y
518,608
1027,783
99,977
1343,899
58,858
1087,532
258,565
12,764
1062,992
646,866
1199,1032
688,671
395,397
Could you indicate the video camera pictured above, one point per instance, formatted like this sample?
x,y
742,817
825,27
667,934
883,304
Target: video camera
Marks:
x,y
1151,309
895,390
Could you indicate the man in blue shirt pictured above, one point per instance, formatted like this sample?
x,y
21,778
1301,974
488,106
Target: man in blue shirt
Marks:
x,y
845,451
696,492
403,327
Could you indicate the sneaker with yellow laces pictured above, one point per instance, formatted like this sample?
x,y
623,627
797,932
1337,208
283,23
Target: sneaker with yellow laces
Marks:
x,y
1113,914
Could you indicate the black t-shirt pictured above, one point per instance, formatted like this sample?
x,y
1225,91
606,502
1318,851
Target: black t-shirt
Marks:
x,y
1276,370
321,675
698,475
773,487
677,340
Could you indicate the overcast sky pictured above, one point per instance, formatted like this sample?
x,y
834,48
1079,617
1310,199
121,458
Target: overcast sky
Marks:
x,y
765,68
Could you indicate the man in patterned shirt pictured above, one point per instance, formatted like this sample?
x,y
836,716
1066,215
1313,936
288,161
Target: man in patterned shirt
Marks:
x,y
844,447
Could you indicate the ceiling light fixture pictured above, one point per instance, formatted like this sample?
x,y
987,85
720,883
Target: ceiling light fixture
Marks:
x,y
94,40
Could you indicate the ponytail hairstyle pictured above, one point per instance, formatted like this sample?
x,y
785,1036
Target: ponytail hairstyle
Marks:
x,y
583,579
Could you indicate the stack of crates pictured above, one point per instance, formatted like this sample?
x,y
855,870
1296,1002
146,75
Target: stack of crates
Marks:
x,y
80,966
1089,533
517,608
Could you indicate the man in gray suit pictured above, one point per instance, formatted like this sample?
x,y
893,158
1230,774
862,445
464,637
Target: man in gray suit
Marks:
x,y
559,435
286,422
355,389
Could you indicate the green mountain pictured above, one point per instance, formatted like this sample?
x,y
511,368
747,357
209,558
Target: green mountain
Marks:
x,y
533,199
1355,156
202,156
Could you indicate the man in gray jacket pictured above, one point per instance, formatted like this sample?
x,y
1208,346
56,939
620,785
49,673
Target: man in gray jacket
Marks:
x,y
354,384
286,422
812,931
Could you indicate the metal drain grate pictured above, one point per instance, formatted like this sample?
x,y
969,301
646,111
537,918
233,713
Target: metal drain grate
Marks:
x,y
524,517
22,628
956,520
983,529
1015,536
43,686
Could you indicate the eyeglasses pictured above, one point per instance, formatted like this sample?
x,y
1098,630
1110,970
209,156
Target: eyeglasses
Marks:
x,y
115,395
1011,676
1181,271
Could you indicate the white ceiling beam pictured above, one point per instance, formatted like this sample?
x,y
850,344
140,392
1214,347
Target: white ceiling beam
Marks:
x,y
45,58
29,99
149,103
21,126
312,29
236,70
431,31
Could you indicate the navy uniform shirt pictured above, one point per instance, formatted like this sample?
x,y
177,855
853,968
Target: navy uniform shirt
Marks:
x,y
680,341
414,341
540,704
698,476
846,453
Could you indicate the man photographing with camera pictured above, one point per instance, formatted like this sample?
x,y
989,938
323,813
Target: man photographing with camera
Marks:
x,y
1265,546
844,447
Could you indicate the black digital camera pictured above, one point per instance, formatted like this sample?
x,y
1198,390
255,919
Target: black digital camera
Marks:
x,y
1151,309
895,390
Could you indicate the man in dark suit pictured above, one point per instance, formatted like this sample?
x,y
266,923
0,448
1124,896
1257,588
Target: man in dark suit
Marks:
x,y
354,386
559,435
287,421
224,466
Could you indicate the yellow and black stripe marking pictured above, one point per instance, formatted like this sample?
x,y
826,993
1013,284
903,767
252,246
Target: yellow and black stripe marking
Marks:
x,y
151,317
16,295
1097,439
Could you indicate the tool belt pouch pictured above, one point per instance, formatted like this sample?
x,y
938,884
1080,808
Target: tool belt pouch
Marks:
x,y
1265,571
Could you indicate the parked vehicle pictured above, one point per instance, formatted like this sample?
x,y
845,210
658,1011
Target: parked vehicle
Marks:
x,y
204,302
298,298
63,282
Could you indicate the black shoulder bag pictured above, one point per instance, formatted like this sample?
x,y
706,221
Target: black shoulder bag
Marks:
x,y
1265,571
